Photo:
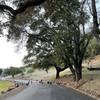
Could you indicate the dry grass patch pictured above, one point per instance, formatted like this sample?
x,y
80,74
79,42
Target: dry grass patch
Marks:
x,y
89,84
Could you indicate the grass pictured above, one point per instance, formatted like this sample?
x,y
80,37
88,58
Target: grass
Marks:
x,y
43,75
4,85
93,83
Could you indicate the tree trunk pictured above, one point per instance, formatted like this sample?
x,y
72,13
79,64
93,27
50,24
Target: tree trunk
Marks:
x,y
95,19
78,72
73,72
58,70
57,74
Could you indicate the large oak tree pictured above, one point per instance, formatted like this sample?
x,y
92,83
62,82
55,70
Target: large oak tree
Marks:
x,y
58,30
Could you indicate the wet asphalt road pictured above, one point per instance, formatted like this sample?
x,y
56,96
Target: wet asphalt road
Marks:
x,y
38,91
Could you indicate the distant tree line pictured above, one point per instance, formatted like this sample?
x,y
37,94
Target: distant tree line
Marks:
x,y
12,71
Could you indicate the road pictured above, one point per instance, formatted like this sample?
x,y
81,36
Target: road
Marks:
x,y
38,91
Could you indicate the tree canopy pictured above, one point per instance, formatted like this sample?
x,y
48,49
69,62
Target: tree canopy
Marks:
x,y
59,34
52,30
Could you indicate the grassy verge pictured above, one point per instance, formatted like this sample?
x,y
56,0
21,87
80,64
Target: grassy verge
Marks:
x,y
4,85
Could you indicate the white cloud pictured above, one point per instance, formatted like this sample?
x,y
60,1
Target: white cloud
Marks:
x,y
8,56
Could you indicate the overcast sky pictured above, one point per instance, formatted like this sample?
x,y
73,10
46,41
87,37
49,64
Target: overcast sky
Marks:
x,y
8,55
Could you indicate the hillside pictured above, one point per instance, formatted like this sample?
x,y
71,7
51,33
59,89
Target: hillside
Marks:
x,y
95,61
92,62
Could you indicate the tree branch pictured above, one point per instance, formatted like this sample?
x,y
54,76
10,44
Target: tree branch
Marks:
x,y
22,7
60,69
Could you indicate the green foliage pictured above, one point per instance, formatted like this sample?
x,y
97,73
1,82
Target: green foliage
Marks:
x,y
53,36
59,35
45,62
93,48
